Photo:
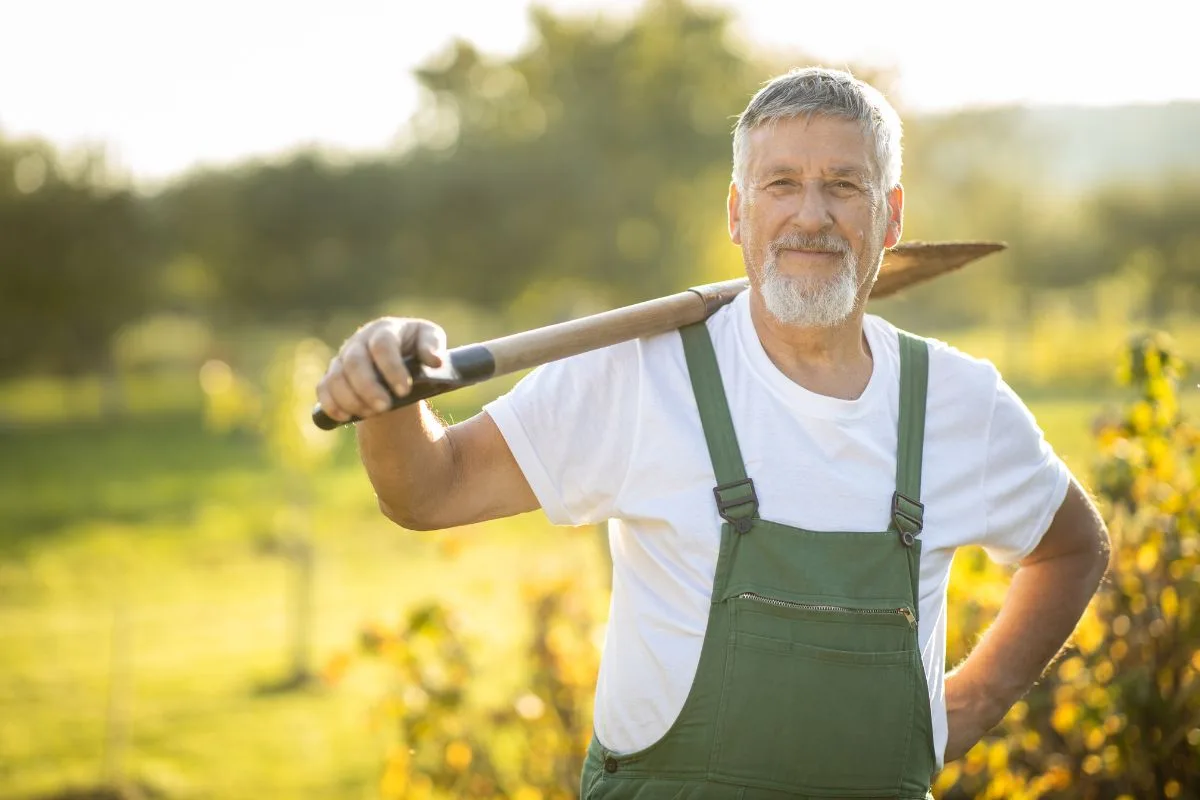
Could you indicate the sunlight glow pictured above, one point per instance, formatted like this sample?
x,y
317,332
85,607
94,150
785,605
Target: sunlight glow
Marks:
x,y
170,85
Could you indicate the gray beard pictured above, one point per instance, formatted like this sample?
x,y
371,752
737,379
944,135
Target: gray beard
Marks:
x,y
810,301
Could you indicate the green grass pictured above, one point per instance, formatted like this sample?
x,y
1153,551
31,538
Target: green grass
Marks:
x,y
158,528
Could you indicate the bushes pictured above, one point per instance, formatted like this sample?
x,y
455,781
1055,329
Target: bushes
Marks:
x,y
1119,715
445,744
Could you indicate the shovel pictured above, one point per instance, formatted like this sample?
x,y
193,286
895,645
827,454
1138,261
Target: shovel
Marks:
x,y
903,266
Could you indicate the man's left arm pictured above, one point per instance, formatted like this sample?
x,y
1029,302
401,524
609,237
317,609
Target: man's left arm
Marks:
x,y
1045,600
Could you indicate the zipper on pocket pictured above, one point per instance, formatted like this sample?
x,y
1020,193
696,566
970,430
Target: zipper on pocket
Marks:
x,y
903,611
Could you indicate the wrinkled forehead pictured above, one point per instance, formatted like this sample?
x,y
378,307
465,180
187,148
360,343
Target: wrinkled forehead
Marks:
x,y
811,143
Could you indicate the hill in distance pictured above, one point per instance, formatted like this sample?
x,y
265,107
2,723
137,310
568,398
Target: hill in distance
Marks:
x,y
1074,149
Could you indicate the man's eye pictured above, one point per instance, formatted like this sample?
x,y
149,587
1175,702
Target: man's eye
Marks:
x,y
845,185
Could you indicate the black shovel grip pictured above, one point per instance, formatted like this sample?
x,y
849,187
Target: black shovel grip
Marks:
x,y
463,366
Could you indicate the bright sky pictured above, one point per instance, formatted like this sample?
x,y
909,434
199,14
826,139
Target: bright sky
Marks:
x,y
170,84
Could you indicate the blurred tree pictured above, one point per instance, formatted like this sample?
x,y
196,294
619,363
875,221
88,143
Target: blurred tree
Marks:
x,y
588,169
598,157
74,260
966,176
289,241
1157,232
614,137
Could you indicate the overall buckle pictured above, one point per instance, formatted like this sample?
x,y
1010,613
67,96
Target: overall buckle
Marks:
x,y
908,516
740,523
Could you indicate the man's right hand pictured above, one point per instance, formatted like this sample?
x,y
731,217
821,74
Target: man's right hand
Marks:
x,y
426,476
351,386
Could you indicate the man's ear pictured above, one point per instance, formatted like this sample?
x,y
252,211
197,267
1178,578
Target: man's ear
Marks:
x,y
895,223
735,214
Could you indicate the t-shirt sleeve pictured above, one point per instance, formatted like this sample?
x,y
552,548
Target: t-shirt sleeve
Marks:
x,y
1025,481
570,425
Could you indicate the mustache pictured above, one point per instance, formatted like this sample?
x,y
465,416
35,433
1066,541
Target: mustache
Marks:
x,y
799,241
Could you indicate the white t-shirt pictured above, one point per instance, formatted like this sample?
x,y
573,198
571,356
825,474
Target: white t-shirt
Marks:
x,y
615,435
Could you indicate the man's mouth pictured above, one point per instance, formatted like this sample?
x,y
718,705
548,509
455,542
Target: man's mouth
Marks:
x,y
807,252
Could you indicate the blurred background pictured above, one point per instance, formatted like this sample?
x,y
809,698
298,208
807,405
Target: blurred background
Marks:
x,y
198,202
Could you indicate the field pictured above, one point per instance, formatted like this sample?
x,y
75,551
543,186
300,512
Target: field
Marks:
x,y
144,621
147,608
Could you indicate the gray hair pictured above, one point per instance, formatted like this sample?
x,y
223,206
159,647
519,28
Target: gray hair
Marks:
x,y
826,92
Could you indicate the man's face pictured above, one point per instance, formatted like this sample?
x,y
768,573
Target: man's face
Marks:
x,y
812,219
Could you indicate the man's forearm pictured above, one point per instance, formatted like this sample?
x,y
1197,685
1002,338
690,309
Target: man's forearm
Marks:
x,y
1044,603
409,460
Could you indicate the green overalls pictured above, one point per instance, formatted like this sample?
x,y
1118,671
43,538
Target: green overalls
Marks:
x,y
810,682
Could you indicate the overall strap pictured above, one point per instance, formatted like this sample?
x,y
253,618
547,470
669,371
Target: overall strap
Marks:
x,y
907,510
736,501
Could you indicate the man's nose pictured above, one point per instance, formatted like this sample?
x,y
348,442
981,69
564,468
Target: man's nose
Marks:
x,y
812,213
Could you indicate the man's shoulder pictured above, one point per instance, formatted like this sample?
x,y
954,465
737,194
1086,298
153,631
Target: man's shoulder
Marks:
x,y
668,345
962,387
944,357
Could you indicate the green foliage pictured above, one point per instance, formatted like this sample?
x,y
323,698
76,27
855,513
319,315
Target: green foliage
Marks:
x,y
289,242
590,157
294,442
1119,717
75,255
1153,231
446,744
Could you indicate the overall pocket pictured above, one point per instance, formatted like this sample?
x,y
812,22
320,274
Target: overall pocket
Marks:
x,y
803,718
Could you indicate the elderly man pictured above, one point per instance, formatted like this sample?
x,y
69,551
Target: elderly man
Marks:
x,y
786,485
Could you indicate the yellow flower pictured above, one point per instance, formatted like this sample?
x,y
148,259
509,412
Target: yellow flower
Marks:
x,y
1168,601
1124,371
1152,362
1147,558
947,777
458,756
394,782
997,758
1016,714
1141,416
1064,717
1058,777
1070,669
1097,697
